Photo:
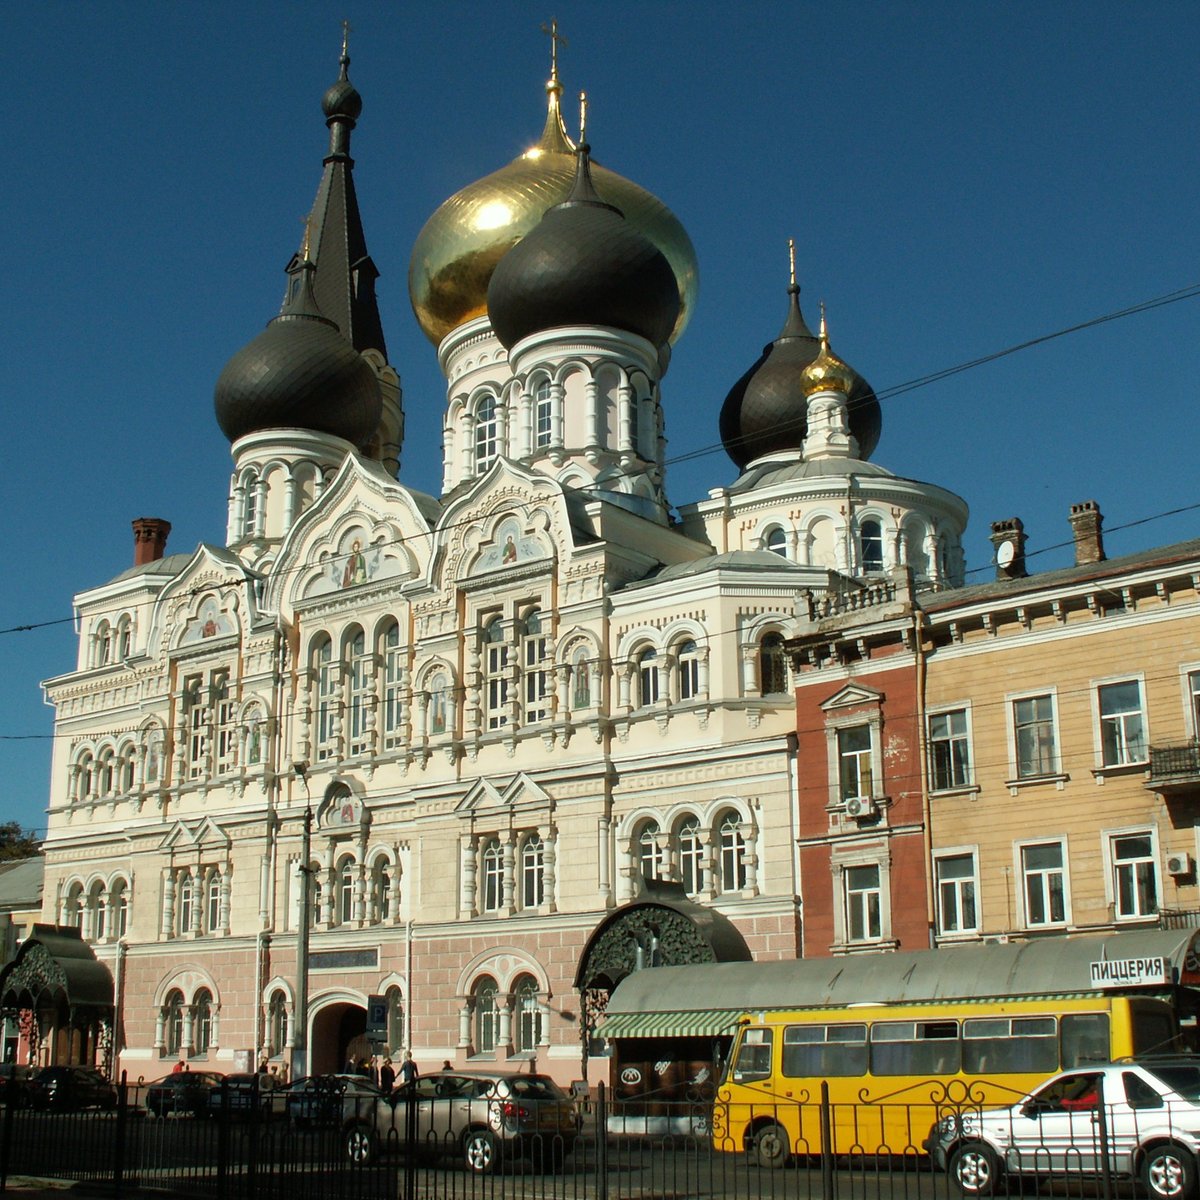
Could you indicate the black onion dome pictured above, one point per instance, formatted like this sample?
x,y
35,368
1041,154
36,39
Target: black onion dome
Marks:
x,y
583,264
766,411
342,100
299,373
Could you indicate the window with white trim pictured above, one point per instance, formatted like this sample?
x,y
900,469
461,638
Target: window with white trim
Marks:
x,y
184,903
1043,875
772,665
775,541
871,536
202,1034
1194,702
864,903
855,753
1134,874
529,1014
393,665
487,434
198,716
1122,723
495,667
1036,743
249,505
647,678
533,661
360,684
492,875
533,872
949,750
649,851
732,853
690,849
224,711
542,415
688,667
173,1022
486,1017
212,902
955,884
327,698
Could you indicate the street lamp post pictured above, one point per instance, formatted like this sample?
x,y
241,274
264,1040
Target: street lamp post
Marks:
x,y
300,1034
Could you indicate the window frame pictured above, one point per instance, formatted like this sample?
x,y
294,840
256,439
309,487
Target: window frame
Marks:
x,y
533,872
956,772
491,875
1118,733
772,664
1051,761
1124,882
486,437
857,906
965,890
1024,873
875,539
689,854
543,415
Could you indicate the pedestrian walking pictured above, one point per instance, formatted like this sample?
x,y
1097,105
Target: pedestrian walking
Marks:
x,y
387,1077
408,1068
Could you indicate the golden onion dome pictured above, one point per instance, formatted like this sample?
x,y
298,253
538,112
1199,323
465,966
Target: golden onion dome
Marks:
x,y
458,249
826,372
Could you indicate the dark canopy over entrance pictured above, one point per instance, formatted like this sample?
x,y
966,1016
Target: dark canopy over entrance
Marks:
x,y
62,998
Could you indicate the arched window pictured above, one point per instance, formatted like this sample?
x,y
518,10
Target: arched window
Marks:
x,y
486,435
127,772
249,505
872,546
202,1028
915,554
359,693
495,666
86,778
382,899
776,541
119,909
395,1019
772,664
153,757
212,903
493,875
173,1021
104,644
104,784
314,896
393,664
73,907
277,1021
326,681
345,902
184,905
647,678
529,1014
650,855
690,850
98,907
124,639
732,853
533,872
581,681
485,1015
689,670
542,415
533,662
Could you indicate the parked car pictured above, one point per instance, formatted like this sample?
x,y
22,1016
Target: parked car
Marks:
x,y
319,1099
14,1084
239,1094
182,1092
71,1088
1147,1112
482,1117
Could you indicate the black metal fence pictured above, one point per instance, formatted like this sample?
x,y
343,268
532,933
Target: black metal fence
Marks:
x,y
254,1147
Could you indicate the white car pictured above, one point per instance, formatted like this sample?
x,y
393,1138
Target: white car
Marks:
x,y
1144,1117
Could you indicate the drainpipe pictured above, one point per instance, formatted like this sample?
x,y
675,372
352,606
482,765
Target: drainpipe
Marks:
x,y
793,748
261,941
408,971
118,1007
919,619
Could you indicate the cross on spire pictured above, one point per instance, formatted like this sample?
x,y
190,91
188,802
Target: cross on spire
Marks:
x,y
556,38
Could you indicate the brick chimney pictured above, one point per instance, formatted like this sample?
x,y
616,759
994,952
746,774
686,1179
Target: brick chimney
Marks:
x,y
149,539
1085,525
1009,539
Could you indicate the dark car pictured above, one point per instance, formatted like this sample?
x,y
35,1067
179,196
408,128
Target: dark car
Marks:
x,y
182,1092
319,1099
246,1095
70,1088
14,1084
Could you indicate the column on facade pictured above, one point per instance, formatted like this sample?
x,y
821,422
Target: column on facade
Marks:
x,y
464,1026
591,409
469,857
318,482
625,684
510,872
466,445
225,896
558,395
550,867
186,1040
562,687
422,729
168,909
708,865
521,396
544,1013
160,1030
504,1016
214,1036
199,902
358,904
702,669
662,665
749,835
667,855
472,692
750,684
625,403
603,837
329,896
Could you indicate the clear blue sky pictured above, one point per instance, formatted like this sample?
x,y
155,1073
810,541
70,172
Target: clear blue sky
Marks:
x,y
958,177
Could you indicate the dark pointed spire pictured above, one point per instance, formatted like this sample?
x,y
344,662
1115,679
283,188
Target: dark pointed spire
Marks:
x,y
344,283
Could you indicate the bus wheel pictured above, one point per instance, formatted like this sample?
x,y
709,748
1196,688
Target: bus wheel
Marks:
x,y
770,1147
975,1169
1169,1173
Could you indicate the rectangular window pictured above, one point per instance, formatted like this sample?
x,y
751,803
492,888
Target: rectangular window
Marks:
x,y
497,685
327,687
542,411
1194,696
1045,884
956,893
360,694
536,699
949,750
393,664
993,1045
854,759
1135,875
753,1059
1033,724
819,1051
864,902
1122,726
914,1048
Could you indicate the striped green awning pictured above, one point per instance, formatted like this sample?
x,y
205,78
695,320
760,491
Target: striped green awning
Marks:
x,y
706,1023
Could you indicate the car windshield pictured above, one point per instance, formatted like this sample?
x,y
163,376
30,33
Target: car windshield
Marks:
x,y
1183,1079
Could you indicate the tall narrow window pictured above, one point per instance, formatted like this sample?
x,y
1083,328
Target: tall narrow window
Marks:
x,y
1033,723
383,891
691,872
689,670
199,718
776,541
395,1019
854,758
1135,875
647,678
1122,726
956,893
277,1022
733,853
485,1016
392,665
249,506
360,682
529,1014
184,903
872,546
346,892
1045,885
173,1022
772,665
327,677
439,703
533,661
223,709
949,750
212,903
495,666
1194,694
864,902
202,1021
533,872
542,415
486,435
493,875
120,909
650,855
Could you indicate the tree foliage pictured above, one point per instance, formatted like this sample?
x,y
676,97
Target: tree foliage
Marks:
x,y
16,842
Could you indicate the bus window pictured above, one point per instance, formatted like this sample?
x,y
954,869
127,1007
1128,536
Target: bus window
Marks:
x,y
753,1059
1154,1029
1083,1039
824,1050
996,1045
914,1048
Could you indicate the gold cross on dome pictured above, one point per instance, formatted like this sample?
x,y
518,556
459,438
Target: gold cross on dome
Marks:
x,y
345,38
556,38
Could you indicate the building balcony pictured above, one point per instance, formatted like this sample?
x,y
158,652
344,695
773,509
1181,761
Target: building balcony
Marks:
x,y
1175,769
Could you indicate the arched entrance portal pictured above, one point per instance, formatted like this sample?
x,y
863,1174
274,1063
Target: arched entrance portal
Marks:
x,y
339,1032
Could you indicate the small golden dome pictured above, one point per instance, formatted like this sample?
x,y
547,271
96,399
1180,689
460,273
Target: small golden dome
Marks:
x,y
826,372
458,249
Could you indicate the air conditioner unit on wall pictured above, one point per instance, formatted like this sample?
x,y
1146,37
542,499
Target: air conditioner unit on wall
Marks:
x,y
1179,864
860,806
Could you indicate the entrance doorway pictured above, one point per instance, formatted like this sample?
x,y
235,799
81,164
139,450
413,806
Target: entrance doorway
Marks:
x,y
339,1033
